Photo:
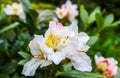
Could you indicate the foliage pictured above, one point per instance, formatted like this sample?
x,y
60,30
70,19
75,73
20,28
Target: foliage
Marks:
x,y
16,33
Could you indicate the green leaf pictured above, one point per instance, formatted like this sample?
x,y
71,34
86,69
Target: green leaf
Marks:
x,y
11,26
67,67
91,17
22,62
10,67
108,19
118,74
25,55
115,23
99,21
33,14
26,4
78,74
92,40
83,14
1,41
4,46
46,5
31,21
16,47
46,15
4,76
2,16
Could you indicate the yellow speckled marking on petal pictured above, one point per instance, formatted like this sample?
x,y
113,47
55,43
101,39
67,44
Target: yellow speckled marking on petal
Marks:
x,y
40,55
52,40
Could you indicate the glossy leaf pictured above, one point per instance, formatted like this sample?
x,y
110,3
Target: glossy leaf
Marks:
x,y
25,55
26,4
11,26
99,21
91,17
67,67
22,62
47,14
78,74
83,14
109,19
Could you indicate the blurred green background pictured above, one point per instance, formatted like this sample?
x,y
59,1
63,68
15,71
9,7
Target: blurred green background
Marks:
x,y
17,36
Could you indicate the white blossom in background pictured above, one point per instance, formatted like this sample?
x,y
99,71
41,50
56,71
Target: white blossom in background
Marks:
x,y
61,12
15,9
108,66
67,10
59,43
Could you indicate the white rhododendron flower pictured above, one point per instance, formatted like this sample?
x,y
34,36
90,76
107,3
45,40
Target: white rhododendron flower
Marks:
x,y
15,9
39,57
59,42
67,10
108,66
77,48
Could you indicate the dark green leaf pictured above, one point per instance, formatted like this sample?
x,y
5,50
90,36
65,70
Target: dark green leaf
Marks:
x,y
10,67
11,26
99,21
25,55
33,14
4,76
78,74
91,18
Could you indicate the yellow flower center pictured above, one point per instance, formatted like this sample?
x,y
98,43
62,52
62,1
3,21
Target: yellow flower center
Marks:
x,y
15,9
102,66
52,41
60,13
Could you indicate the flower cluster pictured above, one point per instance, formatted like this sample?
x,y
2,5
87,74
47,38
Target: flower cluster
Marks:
x,y
67,10
108,66
15,9
59,43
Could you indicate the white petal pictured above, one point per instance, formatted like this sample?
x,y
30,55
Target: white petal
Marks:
x,y
83,37
30,67
45,63
98,59
52,25
81,62
112,61
84,47
73,20
56,57
74,27
34,44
